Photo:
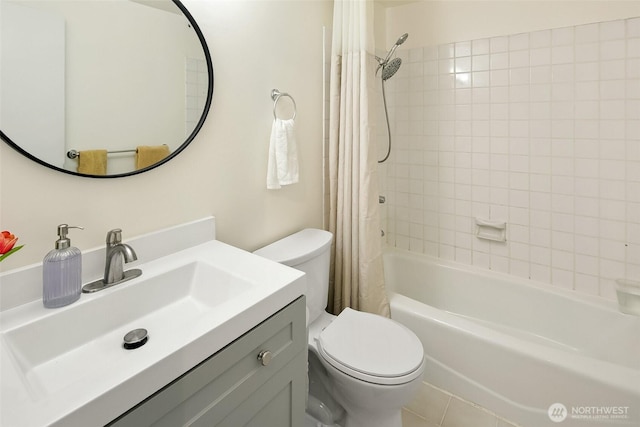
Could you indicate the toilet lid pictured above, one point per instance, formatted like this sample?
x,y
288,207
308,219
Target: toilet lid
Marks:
x,y
372,348
298,247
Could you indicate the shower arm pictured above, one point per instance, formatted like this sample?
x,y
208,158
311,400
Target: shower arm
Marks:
x,y
383,62
391,52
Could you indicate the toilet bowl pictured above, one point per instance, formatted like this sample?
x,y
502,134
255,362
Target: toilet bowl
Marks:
x,y
373,365
369,366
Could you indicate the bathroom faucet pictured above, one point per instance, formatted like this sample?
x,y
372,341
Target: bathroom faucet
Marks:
x,y
118,254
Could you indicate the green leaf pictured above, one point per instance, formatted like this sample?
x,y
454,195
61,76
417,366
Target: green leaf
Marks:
x,y
17,248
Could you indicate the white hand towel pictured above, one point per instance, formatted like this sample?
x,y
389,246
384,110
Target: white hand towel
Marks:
x,y
282,168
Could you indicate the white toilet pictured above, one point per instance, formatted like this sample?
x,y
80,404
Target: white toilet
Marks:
x,y
368,364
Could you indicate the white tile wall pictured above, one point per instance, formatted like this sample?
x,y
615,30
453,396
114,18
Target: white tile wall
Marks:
x,y
196,85
541,130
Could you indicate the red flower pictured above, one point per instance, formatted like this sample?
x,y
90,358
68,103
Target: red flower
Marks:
x,y
7,242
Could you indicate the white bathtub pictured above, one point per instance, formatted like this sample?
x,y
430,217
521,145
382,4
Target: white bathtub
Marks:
x,y
517,348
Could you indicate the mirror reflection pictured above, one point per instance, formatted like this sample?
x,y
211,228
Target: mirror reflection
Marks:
x,y
101,88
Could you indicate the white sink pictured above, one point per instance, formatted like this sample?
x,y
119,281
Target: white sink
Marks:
x,y
64,365
55,351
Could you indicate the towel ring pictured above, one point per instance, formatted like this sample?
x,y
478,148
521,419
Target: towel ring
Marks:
x,y
275,95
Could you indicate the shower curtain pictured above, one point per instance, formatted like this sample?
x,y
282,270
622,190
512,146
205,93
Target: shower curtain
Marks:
x,y
357,277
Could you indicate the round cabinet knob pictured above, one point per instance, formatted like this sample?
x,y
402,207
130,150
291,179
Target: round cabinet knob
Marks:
x,y
265,357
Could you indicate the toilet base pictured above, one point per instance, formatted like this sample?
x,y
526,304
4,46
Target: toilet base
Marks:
x,y
388,419
310,421
321,406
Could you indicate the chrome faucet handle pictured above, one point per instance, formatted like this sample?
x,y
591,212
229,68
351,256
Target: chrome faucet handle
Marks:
x,y
114,237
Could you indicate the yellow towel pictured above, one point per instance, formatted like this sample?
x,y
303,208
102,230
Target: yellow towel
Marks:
x,y
150,155
92,162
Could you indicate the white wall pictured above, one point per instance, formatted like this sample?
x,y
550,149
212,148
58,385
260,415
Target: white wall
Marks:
x,y
435,22
256,46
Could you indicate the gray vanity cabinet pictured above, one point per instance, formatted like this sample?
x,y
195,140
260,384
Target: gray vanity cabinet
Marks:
x,y
241,385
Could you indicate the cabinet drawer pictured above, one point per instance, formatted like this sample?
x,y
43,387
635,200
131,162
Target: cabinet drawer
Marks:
x,y
214,388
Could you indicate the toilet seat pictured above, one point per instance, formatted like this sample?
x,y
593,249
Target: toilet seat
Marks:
x,y
371,348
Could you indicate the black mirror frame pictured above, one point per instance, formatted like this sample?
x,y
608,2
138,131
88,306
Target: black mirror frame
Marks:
x,y
190,138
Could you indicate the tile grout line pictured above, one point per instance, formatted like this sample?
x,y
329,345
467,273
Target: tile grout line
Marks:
x,y
446,409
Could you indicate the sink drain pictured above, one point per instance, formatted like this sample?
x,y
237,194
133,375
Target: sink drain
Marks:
x,y
136,338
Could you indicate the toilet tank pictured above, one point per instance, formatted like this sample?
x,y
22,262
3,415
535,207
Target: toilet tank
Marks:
x,y
309,251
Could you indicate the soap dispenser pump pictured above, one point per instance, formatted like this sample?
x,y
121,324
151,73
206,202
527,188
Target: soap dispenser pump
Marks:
x,y
62,272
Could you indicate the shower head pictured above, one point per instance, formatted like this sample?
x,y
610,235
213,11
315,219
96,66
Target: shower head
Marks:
x,y
391,68
401,40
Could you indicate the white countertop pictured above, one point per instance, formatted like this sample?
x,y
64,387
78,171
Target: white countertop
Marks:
x,y
86,394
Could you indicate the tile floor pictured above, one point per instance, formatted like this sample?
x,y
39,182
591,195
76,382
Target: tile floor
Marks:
x,y
433,407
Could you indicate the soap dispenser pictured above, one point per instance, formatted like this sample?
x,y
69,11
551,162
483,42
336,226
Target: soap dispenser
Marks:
x,y
62,272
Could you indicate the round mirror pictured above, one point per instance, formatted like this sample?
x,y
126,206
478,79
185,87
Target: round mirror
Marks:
x,y
101,88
